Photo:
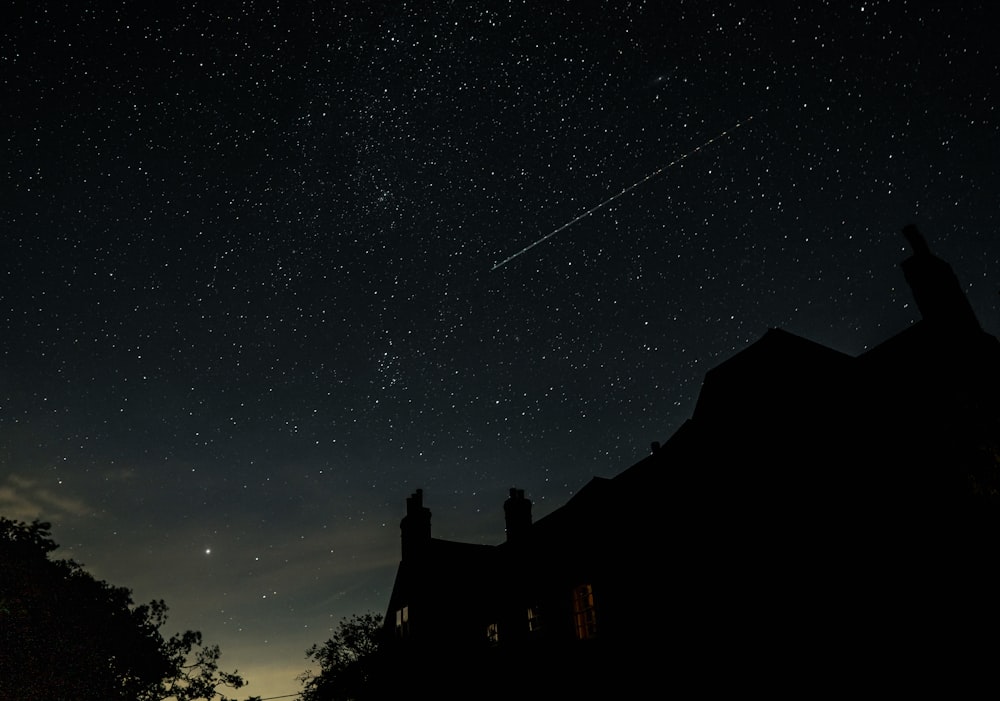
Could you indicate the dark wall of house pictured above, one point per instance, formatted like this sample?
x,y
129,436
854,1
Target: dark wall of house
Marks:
x,y
821,521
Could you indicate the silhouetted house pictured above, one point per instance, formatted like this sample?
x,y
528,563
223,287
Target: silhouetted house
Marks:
x,y
820,519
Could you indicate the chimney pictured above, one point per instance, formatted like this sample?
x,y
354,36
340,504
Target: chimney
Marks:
x,y
416,525
936,289
517,512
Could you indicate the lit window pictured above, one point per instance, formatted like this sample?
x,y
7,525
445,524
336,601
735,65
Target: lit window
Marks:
x,y
534,622
403,622
584,613
493,633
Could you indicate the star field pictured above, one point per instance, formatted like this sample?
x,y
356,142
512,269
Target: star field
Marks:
x,y
249,298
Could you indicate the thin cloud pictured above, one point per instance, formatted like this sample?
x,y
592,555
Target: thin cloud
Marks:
x,y
25,499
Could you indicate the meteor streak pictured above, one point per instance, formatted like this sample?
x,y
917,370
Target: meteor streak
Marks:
x,y
627,190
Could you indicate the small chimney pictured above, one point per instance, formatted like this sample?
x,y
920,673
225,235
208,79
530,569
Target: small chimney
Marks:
x,y
416,525
517,512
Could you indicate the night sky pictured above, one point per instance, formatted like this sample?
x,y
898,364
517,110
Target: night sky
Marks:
x,y
249,295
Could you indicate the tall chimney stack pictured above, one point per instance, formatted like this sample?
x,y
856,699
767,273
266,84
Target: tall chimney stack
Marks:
x,y
936,289
517,512
416,525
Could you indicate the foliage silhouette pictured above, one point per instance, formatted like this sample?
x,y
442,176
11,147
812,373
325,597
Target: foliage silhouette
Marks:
x,y
66,635
349,662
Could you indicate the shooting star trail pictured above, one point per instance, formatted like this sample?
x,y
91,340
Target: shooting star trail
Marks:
x,y
627,190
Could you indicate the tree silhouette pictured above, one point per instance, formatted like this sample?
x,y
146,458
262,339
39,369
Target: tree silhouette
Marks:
x,y
66,635
348,662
